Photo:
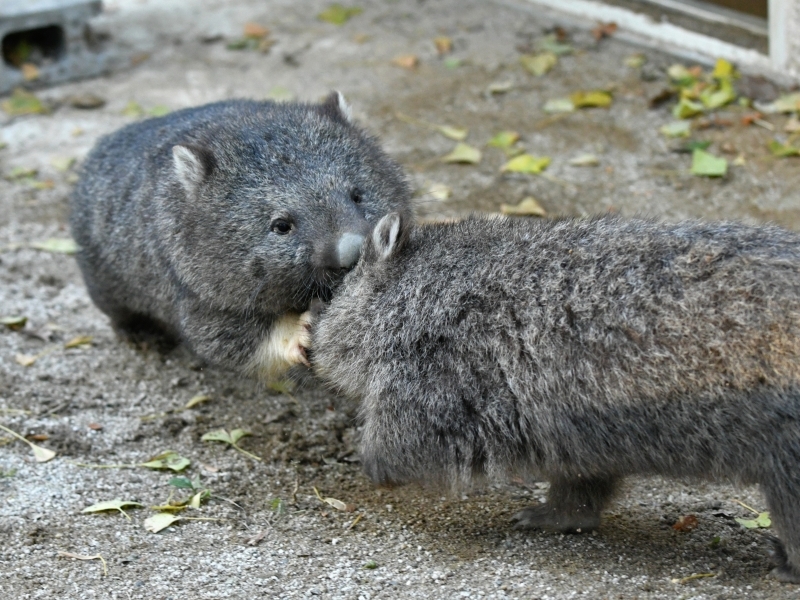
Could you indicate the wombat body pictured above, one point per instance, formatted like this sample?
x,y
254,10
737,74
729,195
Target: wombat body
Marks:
x,y
577,351
217,225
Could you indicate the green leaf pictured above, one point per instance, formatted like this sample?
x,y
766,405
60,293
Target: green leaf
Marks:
x,y
167,460
277,506
18,173
159,110
686,109
238,434
784,104
463,154
197,400
550,43
23,103
14,323
57,245
585,160
181,482
218,435
451,62
111,505
723,70
525,163
635,61
676,129
539,64
559,105
133,109
280,94
338,14
370,564
762,521
681,75
715,97
782,150
704,163
160,521
594,98
454,133
501,87
504,139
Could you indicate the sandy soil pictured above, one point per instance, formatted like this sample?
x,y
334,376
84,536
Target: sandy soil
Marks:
x,y
110,403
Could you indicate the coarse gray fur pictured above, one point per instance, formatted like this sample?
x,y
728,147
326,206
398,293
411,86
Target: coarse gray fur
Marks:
x,y
217,225
579,351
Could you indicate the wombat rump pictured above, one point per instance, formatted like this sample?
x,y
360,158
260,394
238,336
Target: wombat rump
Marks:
x,y
216,226
577,351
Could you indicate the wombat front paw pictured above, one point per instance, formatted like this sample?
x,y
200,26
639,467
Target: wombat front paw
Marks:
x,y
300,341
547,518
283,348
783,571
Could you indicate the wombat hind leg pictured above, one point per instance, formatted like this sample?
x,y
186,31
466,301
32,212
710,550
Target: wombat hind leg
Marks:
x,y
783,502
573,506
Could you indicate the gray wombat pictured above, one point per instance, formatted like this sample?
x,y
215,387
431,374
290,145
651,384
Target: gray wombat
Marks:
x,y
217,225
579,351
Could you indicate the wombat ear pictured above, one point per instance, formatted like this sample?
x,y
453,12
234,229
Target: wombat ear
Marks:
x,y
336,107
389,235
192,164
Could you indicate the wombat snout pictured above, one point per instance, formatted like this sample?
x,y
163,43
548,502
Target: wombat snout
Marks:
x,y
348,249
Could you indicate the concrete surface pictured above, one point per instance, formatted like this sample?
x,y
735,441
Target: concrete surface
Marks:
x,y
110,403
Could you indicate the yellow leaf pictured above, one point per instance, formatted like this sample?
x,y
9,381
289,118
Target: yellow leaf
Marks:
x,y
525,163
594,98
463,154
529,207
539,64
81,340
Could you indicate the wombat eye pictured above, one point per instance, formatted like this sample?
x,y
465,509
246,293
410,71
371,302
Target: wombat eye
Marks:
x,y
356,196
281,226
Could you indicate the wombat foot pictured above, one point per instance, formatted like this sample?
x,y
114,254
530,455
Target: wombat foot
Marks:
x,y
550,518
783,571
283,348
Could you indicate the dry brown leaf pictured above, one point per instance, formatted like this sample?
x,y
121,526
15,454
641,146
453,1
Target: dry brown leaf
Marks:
x,y
604,30
406,61
30,72
255,31
444,45
686,523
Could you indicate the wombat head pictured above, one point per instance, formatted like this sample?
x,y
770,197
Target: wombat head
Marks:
x,y
281,198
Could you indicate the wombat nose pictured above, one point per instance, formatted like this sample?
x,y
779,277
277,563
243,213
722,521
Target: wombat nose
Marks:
x,y
348,249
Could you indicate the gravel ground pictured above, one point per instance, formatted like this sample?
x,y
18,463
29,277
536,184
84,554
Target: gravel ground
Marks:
x,y
109,403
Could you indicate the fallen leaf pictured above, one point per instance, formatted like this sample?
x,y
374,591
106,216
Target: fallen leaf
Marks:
x,y
452,62
160,521
454,133
686,523
504,139
370,564
63,163
439,191
750,118
197,400
539,64
14,323
280,94
762,521
604,30
792,125
739,161
406,61
525,163
18,173
706,164
255,31
552,43
85,557
686,109
57,245
221,435
81,340
23,103
635,60
133,109
528,207
87,101
26,360
676,129
594,98
680,74
463,154
559,105
718,97
167,460
784,104
337,504
723,70
338,14
585,160
782,150
159,110
500,87
95,426
39,453
111,505
443,44
30,72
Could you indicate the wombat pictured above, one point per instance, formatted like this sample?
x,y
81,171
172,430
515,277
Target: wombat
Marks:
x,y
579,351
217,225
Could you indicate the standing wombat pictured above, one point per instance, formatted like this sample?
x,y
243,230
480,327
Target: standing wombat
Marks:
x,y
217,225
579,351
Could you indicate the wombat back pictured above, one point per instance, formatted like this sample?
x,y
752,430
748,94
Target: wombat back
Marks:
x,y
579,351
